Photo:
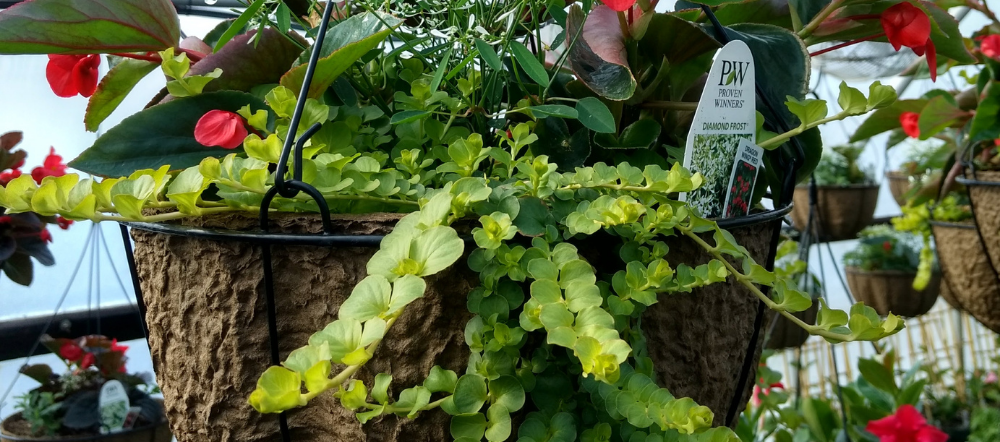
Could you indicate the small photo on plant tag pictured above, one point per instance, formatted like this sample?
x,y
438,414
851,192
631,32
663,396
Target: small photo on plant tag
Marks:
x,y
743,179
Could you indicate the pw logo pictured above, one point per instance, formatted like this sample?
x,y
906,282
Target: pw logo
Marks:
x,y
733,71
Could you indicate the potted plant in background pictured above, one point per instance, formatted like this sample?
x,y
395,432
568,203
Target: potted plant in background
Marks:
x,y
924,165
846,196
876,406
69,405
784,333
971,283
24,235
455,124
882,269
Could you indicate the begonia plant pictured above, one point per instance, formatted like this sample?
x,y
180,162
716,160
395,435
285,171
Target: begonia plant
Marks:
x,y
24,236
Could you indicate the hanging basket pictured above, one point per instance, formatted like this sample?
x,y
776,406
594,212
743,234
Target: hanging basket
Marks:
x,y
899,185
842,211
206,312
967,271
891,291
984,192
786,334
15,429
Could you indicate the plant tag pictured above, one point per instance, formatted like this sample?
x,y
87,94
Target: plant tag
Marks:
x,y
131,417
113,404
743,179
725,115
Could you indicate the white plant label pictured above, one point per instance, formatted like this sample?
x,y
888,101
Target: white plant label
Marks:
x,y
726,114
113,404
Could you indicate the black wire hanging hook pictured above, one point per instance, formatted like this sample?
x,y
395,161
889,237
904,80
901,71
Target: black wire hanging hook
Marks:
x,y
291,188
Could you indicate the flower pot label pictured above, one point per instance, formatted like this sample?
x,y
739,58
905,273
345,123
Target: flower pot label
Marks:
x,y
726,114
743,179
114,406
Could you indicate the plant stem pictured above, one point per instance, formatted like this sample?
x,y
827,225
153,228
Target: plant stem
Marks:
x,y
819,18
846,44
146,57
163,217
778,140
746,282
670,105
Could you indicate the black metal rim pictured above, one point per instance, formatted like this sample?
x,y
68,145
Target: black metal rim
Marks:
x,y
319,239
755,218
972,182
967,226
847,187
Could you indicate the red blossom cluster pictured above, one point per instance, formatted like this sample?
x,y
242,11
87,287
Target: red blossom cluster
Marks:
x,y
907,425
69,75
75,355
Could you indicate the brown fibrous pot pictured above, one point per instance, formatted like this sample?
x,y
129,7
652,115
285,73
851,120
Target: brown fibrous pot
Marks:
x,y
209,340
842,211
967,271
891,291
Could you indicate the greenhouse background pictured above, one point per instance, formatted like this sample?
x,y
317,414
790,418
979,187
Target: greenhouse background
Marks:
x,y
27,105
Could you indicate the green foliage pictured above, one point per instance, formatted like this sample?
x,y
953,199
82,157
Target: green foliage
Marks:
x,y
40,410
985,425
467,129
840,168
883,248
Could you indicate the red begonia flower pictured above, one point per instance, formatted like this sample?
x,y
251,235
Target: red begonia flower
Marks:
x,y
907,425
8,176
5,219
220,128
52,166
18,164
118,348
908,25
64,223
70,75
70,352
887,246
88,360
909,121
619,5
45,235
990,46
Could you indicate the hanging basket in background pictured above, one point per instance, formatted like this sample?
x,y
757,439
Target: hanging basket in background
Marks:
x,y
891,291
984,192
899,185
967,271
786,334
842,211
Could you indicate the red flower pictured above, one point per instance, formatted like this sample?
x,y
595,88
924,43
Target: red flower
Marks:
x,y
88,360
118,348
64,223
8,176
220,128
45,235
908,25
619,5
887,246
18,164
5,219
53,166
766,391
69,75
907,425
990,46
70,352
909,121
